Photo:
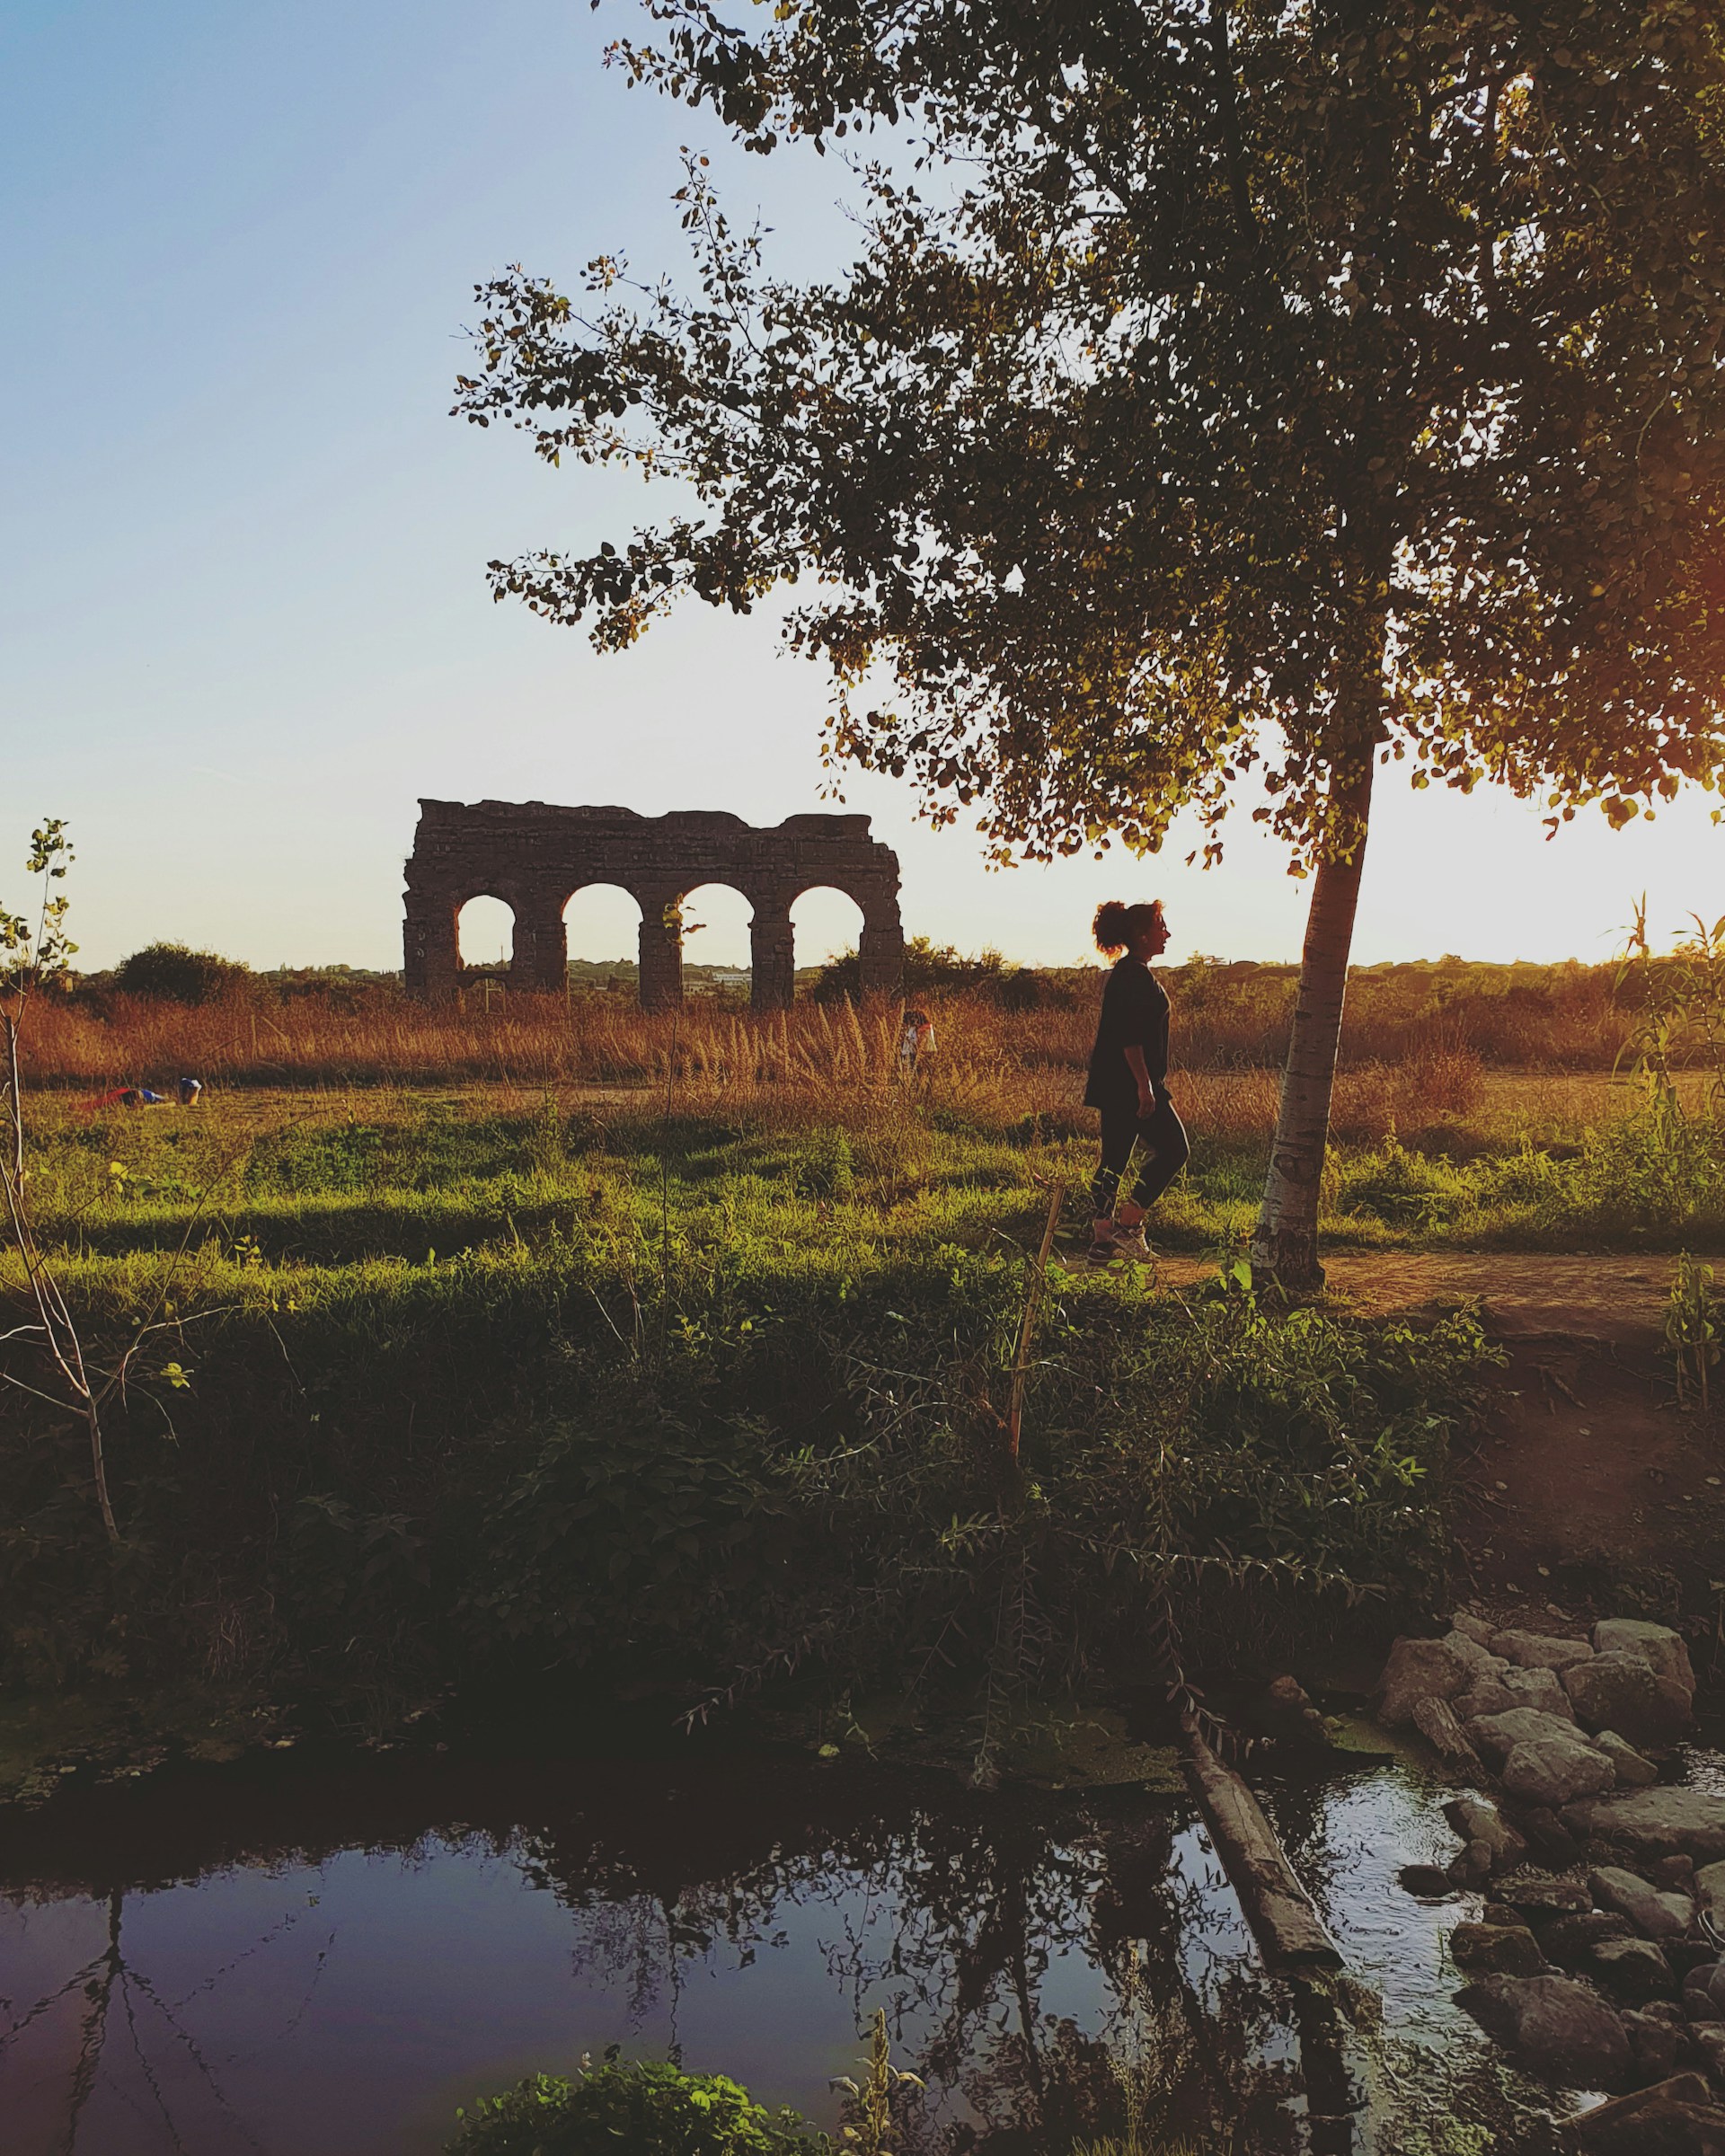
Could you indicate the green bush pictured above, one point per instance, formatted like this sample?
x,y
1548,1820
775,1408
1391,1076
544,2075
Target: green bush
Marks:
x,y
641,2109
172,973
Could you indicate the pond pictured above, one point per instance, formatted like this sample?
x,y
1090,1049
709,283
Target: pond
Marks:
x,y
325,1957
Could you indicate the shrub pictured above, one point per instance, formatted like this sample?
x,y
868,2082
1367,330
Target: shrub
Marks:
x,y
173,973
644,2108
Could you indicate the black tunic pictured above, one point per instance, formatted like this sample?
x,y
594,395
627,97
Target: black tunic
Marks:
x,y
1134,1015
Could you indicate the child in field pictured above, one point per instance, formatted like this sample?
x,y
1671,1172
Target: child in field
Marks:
x,y
1129,1082
915,1041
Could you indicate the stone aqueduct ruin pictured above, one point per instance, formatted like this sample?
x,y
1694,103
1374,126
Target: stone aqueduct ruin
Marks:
x,y
535,857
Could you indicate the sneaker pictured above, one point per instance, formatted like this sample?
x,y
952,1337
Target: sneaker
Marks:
x,y
1102,1252
1130,1244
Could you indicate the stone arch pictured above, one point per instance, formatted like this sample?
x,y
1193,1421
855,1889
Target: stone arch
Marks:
x,y
821,928
601,920
535,855
718,924
486,934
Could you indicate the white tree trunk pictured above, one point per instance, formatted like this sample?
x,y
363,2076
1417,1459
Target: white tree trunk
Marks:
x,y
1285,1243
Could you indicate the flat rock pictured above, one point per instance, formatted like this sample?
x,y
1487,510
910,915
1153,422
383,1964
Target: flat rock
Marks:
x,y
1633,1772
1540,1689
1538,1892
1654,2043
1568,1939
1419,1669
1496,1735
1631,1969
1710,1894
1560,2027
1655,1915
1480,1629
1478,1819
1674,2118
1495,1950
1656,1644
1654,1823
1625,1694
1555,1769
1539,1650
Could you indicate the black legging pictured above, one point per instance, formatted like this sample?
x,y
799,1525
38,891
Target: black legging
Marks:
x,y
1167,1151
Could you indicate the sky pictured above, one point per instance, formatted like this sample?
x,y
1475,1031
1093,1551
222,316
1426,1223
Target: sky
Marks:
x,y
244,617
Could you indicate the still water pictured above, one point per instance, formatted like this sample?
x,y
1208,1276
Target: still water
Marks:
x,y
325,1960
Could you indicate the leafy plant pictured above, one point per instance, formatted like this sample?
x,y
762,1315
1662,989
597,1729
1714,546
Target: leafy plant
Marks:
x,y
868,2112
644,2109
1692,1327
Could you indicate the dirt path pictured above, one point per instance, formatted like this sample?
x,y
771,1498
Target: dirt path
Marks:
x,y
1523,1294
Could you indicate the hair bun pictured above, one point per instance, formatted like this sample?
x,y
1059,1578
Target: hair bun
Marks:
x,y
1109,928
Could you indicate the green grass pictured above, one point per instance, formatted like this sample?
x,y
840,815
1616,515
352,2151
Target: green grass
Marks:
x,y
446,1390
311,1185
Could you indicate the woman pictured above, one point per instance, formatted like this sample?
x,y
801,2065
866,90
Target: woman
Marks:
x,y
1129,1082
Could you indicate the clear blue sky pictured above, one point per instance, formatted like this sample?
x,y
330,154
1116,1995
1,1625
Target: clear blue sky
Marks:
x,y
243,622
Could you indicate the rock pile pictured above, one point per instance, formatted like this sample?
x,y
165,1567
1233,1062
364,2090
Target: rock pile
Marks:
x,y
1598,1955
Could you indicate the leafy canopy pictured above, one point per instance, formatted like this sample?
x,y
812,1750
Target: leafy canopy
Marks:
x,y
1216,386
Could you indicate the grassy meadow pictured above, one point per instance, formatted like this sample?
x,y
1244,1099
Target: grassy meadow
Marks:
x,y
685,1354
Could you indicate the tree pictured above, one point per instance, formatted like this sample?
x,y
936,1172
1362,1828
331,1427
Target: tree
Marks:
x,y
1219,388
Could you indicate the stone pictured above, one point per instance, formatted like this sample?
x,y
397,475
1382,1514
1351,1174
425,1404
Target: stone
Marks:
x,y
1676,1874
1708,2040
1633,1772
1657,1645
1569,1939
1631,1969
1418,1669
1548,1837
1540,1689
535,855
1691,1953
1655,1915
1537,1892
1287,1711
1428,1882
1654,1823
1625,1694
1496,1735
1497,1949
1472,1867
1703,1992
1710,1894
1478,1629
1477,1819
1480,1659
1434,1719
1540,1650
1487,1695
1553,1771
1675,2117
1560,2027
1654,2045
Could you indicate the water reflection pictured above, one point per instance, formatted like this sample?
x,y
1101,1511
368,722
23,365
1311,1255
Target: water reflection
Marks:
x,y
332,1959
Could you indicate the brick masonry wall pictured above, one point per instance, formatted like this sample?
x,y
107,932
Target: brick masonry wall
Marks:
x,y
535,856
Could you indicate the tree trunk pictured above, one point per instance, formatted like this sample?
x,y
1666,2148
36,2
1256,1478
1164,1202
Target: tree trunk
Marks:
x,y
1285,1244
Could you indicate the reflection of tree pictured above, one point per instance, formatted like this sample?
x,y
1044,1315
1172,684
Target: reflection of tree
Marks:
x,y
110,1975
